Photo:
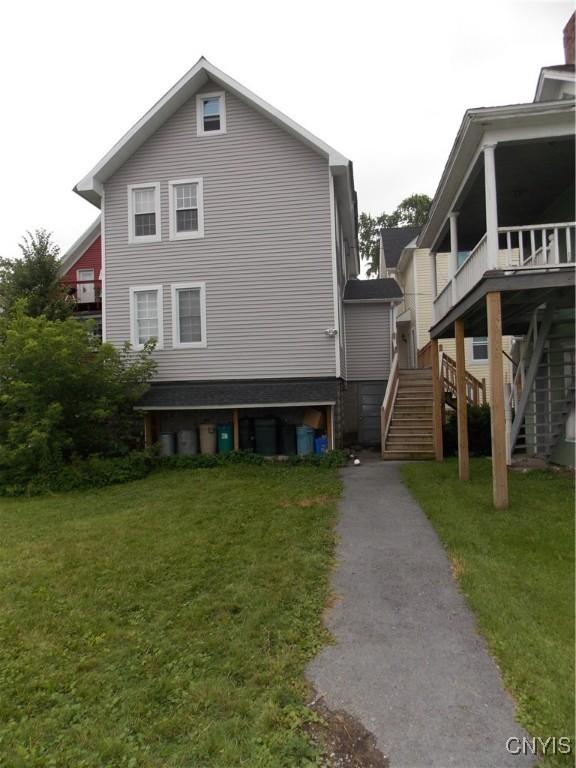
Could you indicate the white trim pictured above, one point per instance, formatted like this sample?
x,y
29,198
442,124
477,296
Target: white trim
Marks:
x,y
84,279
200,113
176,343
239,406
160,310
90,187
199,233
335,296
416,312
132,238
103,270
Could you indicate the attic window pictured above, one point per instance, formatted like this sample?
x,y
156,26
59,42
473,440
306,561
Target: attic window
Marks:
x,y
211,114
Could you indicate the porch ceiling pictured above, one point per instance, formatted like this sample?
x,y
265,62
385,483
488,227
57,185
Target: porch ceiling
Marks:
x,y
521,294
530,177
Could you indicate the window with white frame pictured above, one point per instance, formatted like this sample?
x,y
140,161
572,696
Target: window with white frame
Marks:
x,y
189,315
84,275
186,209
146,315
211,113
480,348
144,213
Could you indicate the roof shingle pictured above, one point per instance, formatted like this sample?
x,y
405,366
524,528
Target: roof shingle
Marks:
x,y
365,290
394,240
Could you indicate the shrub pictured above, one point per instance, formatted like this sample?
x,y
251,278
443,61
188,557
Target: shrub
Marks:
x,y
479,438
63,394
98,471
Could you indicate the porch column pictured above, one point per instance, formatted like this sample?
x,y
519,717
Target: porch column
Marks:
x,y
236,430
434,273
491,205
453,251
461,404
498,426
437,403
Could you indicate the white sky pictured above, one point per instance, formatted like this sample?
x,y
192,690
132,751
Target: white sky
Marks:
x,y
385,83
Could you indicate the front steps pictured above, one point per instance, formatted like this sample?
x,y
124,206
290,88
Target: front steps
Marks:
x,y
411,431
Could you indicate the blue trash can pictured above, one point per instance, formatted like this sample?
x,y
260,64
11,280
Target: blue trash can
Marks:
x,y
320,444
304,440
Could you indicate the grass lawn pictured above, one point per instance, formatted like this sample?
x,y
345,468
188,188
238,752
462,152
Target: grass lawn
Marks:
x,y
516,569
165,622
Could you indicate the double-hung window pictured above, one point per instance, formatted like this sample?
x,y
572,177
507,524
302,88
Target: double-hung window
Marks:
x,y
144,213
480,348
211,113
189,315
186,209
146,315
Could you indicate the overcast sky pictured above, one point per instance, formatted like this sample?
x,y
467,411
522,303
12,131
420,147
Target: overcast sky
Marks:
x,y
385,83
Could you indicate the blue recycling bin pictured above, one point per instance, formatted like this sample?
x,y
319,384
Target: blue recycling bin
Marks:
x,y
304,440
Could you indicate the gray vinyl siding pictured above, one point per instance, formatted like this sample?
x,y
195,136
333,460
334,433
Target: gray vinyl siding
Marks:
x,y
265,258
367,340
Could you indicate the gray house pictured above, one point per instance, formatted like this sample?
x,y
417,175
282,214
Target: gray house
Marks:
x,y
229,234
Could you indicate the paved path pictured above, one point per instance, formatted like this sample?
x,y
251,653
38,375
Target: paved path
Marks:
x,y
408,662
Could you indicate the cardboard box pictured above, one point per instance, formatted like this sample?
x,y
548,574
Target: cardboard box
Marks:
x,y
313,418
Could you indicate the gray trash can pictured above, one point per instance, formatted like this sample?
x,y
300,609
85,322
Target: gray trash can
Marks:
x,y
188,441
167,443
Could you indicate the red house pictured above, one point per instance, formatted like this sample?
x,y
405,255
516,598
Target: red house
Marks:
x,y
81,270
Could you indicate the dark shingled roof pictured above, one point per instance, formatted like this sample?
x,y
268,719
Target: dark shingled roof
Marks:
x,y
383,288
561,67
394,240
220,394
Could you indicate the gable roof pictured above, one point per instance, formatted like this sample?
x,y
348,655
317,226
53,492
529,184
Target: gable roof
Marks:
x,y
90,187
555,72
394,240
382,289
80,246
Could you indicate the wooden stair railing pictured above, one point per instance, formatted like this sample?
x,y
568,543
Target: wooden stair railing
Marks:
x,y
475,389
389,399
425,356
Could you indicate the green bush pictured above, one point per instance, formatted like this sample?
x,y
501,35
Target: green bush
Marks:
x,y
64,394
479,438
98,471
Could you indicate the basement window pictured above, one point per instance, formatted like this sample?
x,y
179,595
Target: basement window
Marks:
x,y
211,113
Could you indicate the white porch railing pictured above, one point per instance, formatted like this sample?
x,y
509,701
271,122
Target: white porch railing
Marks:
x,y
532,247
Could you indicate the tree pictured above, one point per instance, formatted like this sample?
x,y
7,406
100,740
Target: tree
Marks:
x,y
63,393
413,211
35,278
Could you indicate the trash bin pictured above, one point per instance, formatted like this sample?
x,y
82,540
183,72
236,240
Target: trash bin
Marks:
x,y
187,441
167,442
304,440
320,444
265,434
287,439
225,440
246,435
207,438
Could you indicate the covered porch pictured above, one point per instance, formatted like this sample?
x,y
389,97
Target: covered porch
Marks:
x,y
508,222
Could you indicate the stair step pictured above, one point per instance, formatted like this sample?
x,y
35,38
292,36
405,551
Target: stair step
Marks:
x,y
408,455
415,432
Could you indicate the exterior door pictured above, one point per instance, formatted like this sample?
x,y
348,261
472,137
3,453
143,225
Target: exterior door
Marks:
x,y
370,397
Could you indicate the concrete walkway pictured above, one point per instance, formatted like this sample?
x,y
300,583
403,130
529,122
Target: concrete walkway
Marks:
x,y
408,662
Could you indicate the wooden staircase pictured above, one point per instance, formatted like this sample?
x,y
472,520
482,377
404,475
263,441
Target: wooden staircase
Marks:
x,y
408,429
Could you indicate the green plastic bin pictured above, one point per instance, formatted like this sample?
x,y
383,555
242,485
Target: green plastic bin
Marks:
x,y
225,438
265,433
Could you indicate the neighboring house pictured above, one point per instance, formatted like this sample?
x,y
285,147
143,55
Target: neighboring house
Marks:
x,y
413,268
228,235
81,271
507,198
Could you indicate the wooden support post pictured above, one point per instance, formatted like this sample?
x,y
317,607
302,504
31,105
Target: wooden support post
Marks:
x,y
236,430
483,391
461,404
499,468
437,404
329,427
148,430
